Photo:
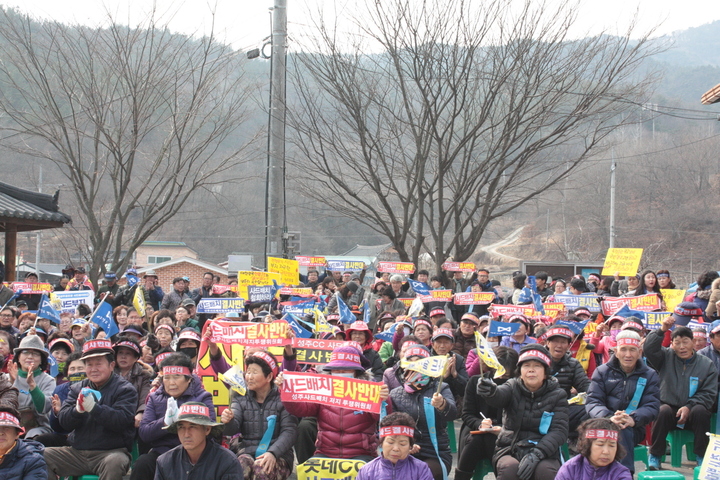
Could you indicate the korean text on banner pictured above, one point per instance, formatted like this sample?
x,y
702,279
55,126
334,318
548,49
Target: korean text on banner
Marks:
x,y
437,296
577,301
313,350
643,303
653,320
345,265
220,305
311,261
710,469
341,392
70,299
500,310
296,291
246,278
403,268
289,270
250,334
473,298
218,289
317,468
672,297
431,366
458,266
623,261
31,288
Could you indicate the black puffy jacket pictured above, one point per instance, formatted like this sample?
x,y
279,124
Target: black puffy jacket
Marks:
x,y
569,373
523,411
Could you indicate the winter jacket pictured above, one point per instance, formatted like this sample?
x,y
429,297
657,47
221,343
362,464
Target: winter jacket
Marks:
x,y
8,393
570,374
216,463
25,462
612,389
386,351
713,355
110,424
413,405
153,421
377,367
173,299
342,433
522,413
579,468
141,380
251,420
711,310
381,469
463,344
675,374
44,387
393,376
62,392
474,404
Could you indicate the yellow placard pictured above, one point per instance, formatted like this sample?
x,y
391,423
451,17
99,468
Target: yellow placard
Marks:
x,y
710,469
623,261
246,278
317,468
289,270
672,298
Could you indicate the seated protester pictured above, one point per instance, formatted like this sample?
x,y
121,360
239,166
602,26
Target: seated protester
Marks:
x,y
178,387
395,376
267,430
712,351
386,351
477,414
688,388
521,337
8,393
535,418
198,456
700,337
456,376
127,353
342,432
423,330
410,398
166,336
626,391
74,371
568,372
464,336
19,459
397,439
183,318
80,332
35,386
360,333
7,345
606,334
600,454
189,343
99,411
580,348
60,349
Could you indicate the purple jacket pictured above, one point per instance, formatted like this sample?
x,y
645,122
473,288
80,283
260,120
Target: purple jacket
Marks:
x,y
153,421
579,468
381,469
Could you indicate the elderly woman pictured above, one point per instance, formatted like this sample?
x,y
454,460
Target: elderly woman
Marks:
x,y
600,453
178,387
268,430
19,459
35,386
127,354
535,418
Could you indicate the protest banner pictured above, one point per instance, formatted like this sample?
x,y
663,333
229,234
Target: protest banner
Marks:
x,y
220,305
310,261
653,320
458,266
403,268
313,350
572,302
502,329
246,278
643,303
289,270
437,296
623,261
710,468
473,298
507,310
317,468
67,301
250,334
487,355
235,378
299,309
431,366
30,288
260,293
345,265
342,392
406,301
296,291
672,297
222,289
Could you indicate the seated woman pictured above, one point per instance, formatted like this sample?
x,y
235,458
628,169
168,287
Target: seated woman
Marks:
x,y
342,432
178,387
19,459
600,454
535,418
477,414
127,354
268,430
397,439
411,399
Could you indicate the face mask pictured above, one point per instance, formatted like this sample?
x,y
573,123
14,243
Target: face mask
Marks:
x,y
61,366
345,375
415,381
77,377
614,333
189,351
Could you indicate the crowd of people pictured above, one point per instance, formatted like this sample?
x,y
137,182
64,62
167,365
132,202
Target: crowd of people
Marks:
x,y
74,401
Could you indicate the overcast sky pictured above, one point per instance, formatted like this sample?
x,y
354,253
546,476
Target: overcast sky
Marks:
x,y
244,23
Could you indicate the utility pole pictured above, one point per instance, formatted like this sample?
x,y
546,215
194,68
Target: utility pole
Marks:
x,y
275,225
613,166
37,235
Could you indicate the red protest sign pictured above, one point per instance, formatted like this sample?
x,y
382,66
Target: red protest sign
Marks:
x,y
458,266
342,392
473,298
311,261
403,268
250,334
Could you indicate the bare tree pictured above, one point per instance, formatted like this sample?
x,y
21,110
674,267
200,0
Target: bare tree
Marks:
x,y
470,110
134,117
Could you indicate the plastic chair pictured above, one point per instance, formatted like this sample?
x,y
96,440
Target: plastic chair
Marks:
x,y
482,468
696,474
676,439
641,455
451,436
660,475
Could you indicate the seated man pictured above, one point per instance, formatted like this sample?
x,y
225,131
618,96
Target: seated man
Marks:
x,y
626,391
688,387
197,456
100,414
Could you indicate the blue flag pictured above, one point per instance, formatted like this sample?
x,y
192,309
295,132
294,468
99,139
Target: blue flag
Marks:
x,y
388,334
54,370
103,317
300,332
346,316
502,329
46,310
366,311
576,327
419,287
274,289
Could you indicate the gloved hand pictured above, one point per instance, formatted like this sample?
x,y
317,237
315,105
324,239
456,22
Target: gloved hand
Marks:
x,y
86,400
486,387
528,464
172,412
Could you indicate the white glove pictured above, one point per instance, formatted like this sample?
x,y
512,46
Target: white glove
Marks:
x,y
172,412
86,400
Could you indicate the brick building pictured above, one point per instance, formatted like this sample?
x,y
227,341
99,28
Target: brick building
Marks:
x,y
181,267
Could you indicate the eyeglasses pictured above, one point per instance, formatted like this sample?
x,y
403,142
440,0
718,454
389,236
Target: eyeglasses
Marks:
x,y
6,315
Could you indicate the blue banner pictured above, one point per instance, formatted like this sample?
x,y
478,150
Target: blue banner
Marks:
x,y
502,329
576,301
300,332
54,370
103,317
299,308
576,327
366,311
220,305
419,287
46,310
346,316
388,334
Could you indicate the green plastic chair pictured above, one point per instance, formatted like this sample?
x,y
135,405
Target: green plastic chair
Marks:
x,y
677,439
641,455
660,475
482,468
451,436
